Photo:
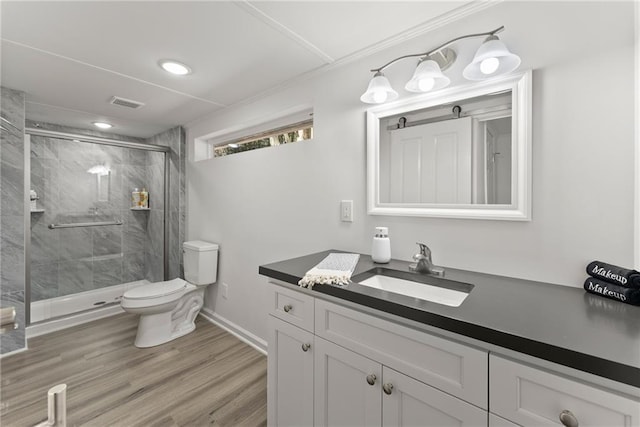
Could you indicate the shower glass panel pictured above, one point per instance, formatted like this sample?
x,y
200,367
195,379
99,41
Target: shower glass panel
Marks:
x,y
87,244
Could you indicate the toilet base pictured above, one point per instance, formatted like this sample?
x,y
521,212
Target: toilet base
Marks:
x,y
160,328
153,329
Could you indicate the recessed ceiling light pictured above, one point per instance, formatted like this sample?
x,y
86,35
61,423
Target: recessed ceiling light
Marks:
x,y
175,67
103,125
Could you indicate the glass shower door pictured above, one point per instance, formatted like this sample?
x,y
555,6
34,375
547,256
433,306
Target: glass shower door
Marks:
x,y
87,244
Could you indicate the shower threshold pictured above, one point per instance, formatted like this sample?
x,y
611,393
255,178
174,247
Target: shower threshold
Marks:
x,y
82,301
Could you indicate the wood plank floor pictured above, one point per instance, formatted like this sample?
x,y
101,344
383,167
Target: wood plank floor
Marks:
x,y
206,378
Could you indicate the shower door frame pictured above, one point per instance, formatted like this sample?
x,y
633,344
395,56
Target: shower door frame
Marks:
x,y
101,141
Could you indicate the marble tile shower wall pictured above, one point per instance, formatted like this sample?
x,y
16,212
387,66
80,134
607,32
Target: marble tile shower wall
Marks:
x,y
12,216
152,254
173,138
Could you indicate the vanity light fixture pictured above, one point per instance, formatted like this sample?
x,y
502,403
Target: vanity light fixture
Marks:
x,y
379,90
103,125
174,67
491,59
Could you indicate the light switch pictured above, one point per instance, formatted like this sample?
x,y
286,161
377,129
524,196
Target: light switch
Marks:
x,y
346,210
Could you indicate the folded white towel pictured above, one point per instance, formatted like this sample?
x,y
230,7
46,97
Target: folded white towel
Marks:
x,y
335,269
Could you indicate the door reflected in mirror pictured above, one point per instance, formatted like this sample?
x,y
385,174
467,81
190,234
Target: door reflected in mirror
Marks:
x,y
458,153
462,153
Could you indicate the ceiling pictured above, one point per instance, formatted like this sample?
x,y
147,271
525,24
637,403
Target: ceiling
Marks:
x,y
72,57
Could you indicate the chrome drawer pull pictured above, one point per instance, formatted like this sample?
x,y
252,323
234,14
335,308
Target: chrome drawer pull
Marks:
x,y
568,419
371,379
288,308
388,388
306,347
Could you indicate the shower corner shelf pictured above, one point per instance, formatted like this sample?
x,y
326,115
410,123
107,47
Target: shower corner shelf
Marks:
x,y
37,210
140,209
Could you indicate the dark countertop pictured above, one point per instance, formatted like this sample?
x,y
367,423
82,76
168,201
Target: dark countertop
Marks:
x,y
564,325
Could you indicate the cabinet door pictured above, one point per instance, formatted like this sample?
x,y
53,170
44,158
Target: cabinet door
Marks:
x,y
289,375
408,402
343,393
496,421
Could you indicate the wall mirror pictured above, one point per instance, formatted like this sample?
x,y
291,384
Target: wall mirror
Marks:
x,y
464,152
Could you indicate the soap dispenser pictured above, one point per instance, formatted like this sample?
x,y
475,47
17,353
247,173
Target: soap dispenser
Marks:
x,y
381,249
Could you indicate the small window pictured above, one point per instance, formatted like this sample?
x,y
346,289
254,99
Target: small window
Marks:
x,y
300,131
284,126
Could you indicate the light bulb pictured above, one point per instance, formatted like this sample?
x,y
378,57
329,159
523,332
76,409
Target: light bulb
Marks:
x,y
426,84
102,125
379,96
175,67
489,65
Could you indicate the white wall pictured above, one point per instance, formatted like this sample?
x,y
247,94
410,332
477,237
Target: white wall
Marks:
x,y
282,202
636,90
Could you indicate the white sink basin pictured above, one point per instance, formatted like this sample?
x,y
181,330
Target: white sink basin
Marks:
x,y
423,291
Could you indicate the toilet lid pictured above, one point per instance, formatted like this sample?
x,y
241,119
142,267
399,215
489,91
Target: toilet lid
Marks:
x,y
155,290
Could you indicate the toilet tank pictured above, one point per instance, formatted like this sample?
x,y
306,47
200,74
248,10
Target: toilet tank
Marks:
x,y
200,262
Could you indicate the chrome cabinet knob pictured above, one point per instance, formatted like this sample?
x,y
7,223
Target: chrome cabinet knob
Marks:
x,y
371,379
306,347
288,308
387,387
568,419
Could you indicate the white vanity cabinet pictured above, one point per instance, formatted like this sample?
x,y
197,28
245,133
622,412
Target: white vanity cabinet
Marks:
x,y
530,396
331,365
364,370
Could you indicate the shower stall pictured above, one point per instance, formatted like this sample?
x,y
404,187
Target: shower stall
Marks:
x,y
89,243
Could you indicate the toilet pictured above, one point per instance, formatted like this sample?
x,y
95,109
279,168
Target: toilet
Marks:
x,y
168,309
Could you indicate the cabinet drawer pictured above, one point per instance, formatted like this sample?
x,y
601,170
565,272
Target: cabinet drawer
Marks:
x,y
454,368
291,306
530,396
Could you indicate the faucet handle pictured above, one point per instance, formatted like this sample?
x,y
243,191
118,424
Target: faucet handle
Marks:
x,y
424,249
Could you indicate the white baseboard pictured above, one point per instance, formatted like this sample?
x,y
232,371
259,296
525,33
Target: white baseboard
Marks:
x,y
241,333
49,326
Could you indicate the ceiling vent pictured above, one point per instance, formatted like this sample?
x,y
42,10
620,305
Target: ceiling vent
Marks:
x,y
123,102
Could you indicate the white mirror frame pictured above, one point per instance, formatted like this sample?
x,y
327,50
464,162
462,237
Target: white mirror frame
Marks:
x,y
519,209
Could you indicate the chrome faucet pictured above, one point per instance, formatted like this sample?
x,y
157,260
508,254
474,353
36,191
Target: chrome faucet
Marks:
x,y
424,264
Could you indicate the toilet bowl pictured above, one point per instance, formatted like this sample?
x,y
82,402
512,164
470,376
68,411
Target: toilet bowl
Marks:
x,y
168,309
